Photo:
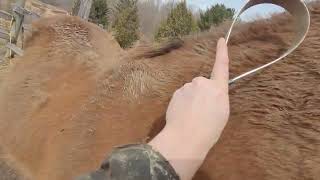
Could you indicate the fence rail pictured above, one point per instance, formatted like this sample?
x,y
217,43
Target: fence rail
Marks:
x,y
16,20
4,34
5,15
15,49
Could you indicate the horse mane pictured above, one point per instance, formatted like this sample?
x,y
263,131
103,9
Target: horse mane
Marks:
x,y
151,51
201,42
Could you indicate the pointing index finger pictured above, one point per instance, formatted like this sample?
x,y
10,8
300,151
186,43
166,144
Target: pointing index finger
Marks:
x,y
221,67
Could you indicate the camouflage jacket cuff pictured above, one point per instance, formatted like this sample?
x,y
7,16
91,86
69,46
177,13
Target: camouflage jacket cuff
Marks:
x,y
134,162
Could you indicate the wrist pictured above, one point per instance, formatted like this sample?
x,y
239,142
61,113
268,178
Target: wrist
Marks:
x,y
185,151
192,138
197,139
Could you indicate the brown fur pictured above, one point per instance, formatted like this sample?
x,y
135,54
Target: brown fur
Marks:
x,y
75,95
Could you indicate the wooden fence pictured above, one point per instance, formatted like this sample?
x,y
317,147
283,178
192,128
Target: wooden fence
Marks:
x,y
11,24
84,9
10,34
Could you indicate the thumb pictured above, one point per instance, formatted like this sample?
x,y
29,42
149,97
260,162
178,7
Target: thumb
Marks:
x,y
220,70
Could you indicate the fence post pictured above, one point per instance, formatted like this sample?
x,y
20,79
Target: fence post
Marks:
x,y
19,17
84,10
16,27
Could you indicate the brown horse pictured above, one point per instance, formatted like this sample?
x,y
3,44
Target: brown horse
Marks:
x,y
75,95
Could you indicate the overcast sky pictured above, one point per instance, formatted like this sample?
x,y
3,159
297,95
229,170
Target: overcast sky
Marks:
x,y
260,10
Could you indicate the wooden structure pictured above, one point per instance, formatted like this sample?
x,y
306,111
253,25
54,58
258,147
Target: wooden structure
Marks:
x,y
5,15
15,49
4,35
18,12
13,25
5,24
11,35
84,9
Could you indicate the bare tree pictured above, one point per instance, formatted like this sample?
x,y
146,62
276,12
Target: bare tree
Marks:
x,y
65,4
151,13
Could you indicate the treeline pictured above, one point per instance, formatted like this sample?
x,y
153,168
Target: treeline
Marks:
x,y
130,20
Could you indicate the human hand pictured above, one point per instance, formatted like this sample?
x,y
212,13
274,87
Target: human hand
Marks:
x,y
201,108
196,117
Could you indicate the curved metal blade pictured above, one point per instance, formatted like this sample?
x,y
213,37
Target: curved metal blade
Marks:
x,y
301,15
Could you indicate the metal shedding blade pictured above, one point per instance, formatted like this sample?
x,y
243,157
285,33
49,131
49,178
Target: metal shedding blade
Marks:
x,y
301,15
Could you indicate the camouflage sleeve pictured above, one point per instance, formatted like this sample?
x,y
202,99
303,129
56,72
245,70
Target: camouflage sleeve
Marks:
x,y
134,162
